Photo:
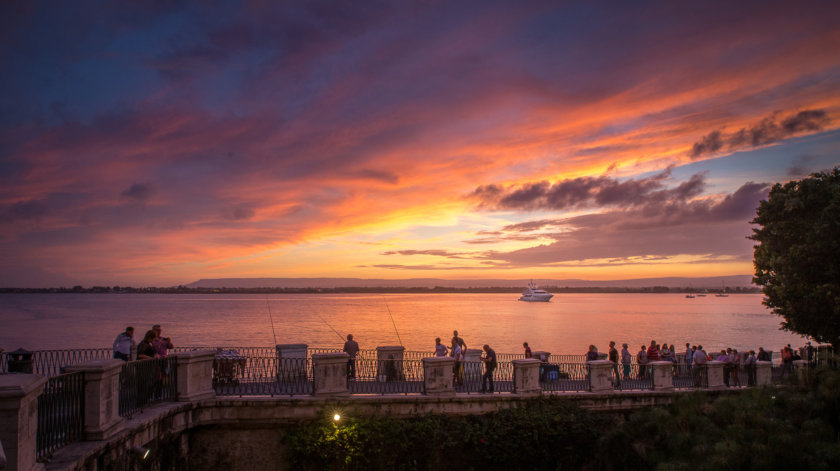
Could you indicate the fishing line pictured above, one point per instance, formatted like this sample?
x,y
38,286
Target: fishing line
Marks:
x,y
392,319
328,325
272,320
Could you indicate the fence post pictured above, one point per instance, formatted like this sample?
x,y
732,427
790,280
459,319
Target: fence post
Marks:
x,y
600,376
715,374
330,373
19,419
194,375
389,363
662,375
526,377
800,367
437,376
291,360
763,373
102,392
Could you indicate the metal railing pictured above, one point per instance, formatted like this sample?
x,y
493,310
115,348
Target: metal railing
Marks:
x,y
471,377
385,376
61,414
146,382
633,378
564,376
235,374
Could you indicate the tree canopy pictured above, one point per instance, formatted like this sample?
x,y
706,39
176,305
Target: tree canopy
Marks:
x,y
797,258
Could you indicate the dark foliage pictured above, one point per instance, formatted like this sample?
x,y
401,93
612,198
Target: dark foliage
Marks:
x,y
797,259
544,434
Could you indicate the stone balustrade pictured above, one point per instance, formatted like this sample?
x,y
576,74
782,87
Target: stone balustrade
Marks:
x,y
102,392
600,376
19,392
19,418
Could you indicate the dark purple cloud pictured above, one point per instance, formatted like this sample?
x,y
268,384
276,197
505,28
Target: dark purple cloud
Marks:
x,y
585,192
138,192
767,131
657,229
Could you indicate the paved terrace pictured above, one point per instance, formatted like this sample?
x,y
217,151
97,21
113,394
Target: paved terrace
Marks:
x,y
97,413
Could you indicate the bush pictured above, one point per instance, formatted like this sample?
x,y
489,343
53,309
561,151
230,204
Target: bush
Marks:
x,y
543,434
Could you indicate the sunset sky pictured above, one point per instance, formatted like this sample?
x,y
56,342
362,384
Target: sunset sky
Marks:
x,y
153,143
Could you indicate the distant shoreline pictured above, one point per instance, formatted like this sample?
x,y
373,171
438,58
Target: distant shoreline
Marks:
x,y
374,290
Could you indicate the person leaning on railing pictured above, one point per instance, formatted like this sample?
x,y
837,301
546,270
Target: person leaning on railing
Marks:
x,y
123,343
147,351
699,368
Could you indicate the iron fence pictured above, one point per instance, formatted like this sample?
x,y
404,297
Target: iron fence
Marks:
x,y
61,418
470,377
235,374
385,376
564,376
632,377
146,382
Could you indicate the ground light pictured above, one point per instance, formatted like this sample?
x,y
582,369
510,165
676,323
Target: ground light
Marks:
x,y
336,417
141,452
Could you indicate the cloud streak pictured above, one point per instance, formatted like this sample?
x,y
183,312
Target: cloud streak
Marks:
x,y
767,131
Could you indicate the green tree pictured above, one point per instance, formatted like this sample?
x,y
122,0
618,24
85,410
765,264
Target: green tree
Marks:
x,y
797,259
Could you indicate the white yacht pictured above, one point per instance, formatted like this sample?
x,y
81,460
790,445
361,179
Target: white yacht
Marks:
x,y
534,295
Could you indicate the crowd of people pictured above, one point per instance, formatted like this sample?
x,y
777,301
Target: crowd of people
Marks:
x,y
153,345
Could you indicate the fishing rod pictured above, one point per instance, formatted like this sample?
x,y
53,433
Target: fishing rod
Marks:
x,y
392,319
272,320
328,325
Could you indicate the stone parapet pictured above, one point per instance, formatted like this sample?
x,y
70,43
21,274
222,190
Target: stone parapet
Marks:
x,y
102,392
438,376
801,368
526,377
662,374
291,361
19,419
195,375
714,372
763,373
600,376
330,374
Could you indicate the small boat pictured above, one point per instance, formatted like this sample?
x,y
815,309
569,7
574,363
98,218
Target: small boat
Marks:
x,y
534,295
689,295
722,295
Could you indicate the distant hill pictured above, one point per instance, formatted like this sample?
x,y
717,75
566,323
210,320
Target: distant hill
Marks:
x,y
713,282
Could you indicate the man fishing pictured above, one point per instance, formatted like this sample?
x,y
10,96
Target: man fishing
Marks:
x,y
351,348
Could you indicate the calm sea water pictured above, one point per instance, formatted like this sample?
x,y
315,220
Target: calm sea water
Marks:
x,y
568,324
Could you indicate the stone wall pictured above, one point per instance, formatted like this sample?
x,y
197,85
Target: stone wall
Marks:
x,y
245,434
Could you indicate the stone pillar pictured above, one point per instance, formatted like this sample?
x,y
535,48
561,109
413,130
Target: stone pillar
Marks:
x,y
800,367
194,375
102,393
714,371
389,363
437,376
541,355
291,361
600,376
763,373
472,365
662,375
330,373
526,377
19,419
